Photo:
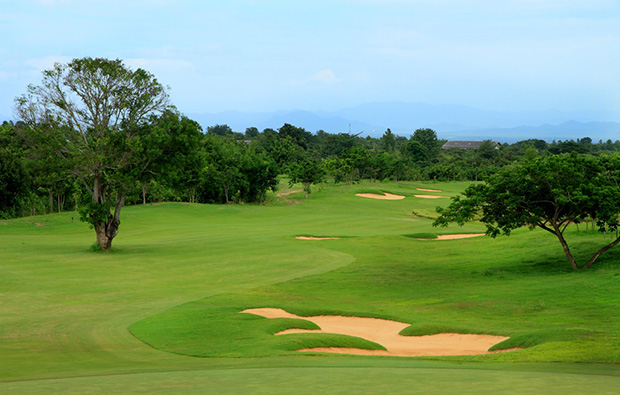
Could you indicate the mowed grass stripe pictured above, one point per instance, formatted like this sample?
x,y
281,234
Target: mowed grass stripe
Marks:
x,y
313,380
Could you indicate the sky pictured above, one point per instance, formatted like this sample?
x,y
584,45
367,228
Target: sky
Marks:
x,y
269,55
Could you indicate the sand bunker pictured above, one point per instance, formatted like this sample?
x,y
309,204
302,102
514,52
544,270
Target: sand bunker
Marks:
x,y
461,236
385,332
386,196
315,238
429,190
456,237
280,194
430,197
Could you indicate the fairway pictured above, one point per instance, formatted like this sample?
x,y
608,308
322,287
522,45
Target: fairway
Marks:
x,y
160,313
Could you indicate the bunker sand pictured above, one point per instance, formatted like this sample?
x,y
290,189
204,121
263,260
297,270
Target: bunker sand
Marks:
x,y
284,196
280,194
385,333
456,236
386,196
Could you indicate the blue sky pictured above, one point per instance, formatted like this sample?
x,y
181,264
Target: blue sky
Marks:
x,y
325,55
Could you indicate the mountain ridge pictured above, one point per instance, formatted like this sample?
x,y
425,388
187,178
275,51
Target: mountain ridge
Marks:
x,y
448,120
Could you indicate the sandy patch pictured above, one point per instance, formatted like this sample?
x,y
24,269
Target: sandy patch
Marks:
x,y
429,190
387,196
385,332
38,224
315,238
430,197
283,196
457,237
288,193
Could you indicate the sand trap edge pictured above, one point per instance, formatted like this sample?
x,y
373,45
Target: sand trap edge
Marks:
x,y
385,196
429,190
457,236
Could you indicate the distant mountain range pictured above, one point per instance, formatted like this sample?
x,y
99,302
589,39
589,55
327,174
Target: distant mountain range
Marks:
x,y
450,121
453,122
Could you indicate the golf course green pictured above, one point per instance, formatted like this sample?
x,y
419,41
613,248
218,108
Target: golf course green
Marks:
x,y
161,312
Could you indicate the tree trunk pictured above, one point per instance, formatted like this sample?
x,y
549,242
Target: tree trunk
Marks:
x,y
307,189
106,229
143,193
103,240
569,255
51,196
599,252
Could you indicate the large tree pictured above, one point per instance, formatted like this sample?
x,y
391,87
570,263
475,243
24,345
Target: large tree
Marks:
x,y
92,113
550,193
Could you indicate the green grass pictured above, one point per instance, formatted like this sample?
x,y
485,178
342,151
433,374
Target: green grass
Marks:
x,y
71,320
422,235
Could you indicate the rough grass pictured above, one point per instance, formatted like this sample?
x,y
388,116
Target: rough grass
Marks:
x,y
180,274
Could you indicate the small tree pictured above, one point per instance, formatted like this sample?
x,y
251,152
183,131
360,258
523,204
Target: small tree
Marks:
x,y
92,113
427,139
307,172
550,193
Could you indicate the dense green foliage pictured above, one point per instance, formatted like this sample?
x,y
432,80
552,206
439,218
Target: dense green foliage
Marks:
x,y
66,313
223,166
550,193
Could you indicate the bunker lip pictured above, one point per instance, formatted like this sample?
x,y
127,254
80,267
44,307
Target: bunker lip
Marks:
x,y
455,236
386,333
316,238
429,190
431,197
385,196
280,194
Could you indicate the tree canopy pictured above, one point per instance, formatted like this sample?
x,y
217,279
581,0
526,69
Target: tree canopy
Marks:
x,y
550,193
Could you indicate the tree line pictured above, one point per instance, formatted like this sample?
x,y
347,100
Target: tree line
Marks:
x,y
220,166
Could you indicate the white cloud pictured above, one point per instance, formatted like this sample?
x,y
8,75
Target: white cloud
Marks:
x,y
326,76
